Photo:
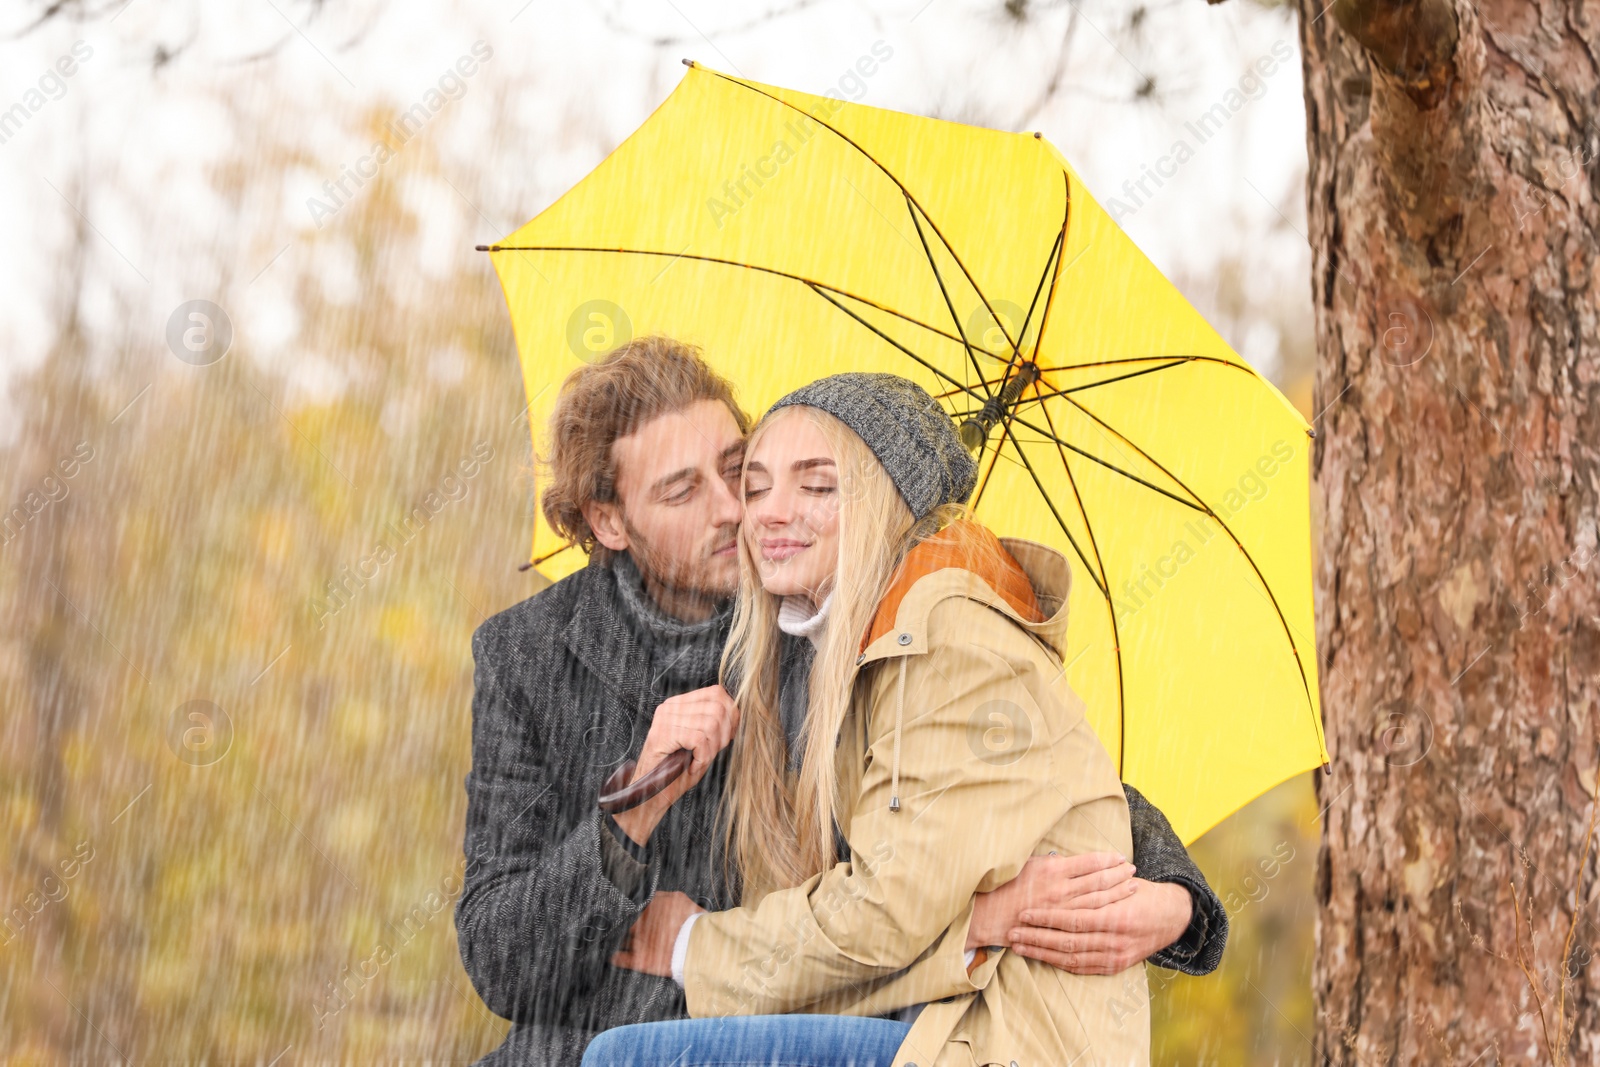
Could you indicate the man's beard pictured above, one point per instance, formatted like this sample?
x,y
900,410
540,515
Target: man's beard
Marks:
x,y
671,574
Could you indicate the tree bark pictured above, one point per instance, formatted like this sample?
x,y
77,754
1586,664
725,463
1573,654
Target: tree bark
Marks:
x,y
1453,192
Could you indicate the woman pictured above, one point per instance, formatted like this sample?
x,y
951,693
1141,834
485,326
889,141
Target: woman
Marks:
x,y
931,747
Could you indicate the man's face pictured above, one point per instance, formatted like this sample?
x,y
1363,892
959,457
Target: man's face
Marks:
x,y
677,510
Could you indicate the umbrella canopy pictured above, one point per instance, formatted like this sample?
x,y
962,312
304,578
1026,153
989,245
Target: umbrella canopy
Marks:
x,y
792,236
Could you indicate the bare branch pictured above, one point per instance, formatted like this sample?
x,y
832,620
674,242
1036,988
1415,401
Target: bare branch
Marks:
x,y
1054,85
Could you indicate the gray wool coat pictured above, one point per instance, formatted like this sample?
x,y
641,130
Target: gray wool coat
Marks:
x,y
563,694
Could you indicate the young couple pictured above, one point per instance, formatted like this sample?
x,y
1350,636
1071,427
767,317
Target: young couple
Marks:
x,y
899,841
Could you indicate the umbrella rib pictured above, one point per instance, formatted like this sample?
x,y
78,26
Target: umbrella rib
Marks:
x,y
967,413
887,173
1172,361
745,266
1056,250
1051,504
1033,305
1112,466
1149,359
1016,360
1105,579
1116,636
1176,362
819,290
1055,280
954,318
1271,596
897,314
1027,320
952,392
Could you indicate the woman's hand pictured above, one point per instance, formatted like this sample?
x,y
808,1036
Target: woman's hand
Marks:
x,y
648,947
703,720
1049,885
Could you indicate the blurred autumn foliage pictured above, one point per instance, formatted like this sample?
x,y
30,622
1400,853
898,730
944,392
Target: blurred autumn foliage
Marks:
x,y
236,676
274,867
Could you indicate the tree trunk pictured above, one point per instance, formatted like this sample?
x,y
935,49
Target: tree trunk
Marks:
x,y
1454,226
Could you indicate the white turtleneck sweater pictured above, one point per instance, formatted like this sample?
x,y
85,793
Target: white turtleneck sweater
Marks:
x,y
798,618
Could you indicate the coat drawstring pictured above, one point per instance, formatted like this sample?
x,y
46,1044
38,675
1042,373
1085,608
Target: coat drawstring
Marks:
x,y
899,728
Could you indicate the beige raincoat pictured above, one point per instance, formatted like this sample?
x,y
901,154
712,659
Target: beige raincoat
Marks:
x,y
964,722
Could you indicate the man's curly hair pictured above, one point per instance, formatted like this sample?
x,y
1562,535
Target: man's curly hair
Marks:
x,y
608,399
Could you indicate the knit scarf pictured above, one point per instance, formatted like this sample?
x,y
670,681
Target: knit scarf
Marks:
x,y
683,655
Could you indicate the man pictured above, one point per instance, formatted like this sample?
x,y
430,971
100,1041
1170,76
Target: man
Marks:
x,y
644,466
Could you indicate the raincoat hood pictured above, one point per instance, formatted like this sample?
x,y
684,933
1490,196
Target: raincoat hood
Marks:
x,y
1024,580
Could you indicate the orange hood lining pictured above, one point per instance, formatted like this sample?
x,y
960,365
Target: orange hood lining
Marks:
x,y
970,546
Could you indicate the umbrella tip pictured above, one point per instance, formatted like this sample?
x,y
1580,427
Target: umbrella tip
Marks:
x,y
524,566
689,63
480,248
1037,135
1310,432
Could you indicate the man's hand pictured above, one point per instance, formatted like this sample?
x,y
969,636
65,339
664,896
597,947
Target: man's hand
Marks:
x,y
1108,938
648,946
1049,884
704,721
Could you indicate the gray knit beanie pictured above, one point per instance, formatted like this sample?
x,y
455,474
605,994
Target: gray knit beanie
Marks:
x,y
905,428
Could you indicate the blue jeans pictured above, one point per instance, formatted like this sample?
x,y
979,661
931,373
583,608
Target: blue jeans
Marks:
x,y
751,1041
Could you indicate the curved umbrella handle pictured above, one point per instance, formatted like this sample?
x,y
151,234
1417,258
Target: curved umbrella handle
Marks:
x,y
618,794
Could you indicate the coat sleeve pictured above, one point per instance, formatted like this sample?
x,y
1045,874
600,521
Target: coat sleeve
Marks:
x,y
539,916
967,823
1161,857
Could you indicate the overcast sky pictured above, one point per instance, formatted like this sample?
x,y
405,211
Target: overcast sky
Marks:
x,y
158,91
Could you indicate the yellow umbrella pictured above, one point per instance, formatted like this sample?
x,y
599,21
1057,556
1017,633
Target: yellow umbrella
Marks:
x,y
793,236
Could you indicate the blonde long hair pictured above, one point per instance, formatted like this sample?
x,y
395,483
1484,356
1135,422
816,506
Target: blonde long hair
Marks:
x,y
776,838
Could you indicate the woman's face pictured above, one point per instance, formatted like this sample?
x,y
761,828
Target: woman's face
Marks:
x,y
791,507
